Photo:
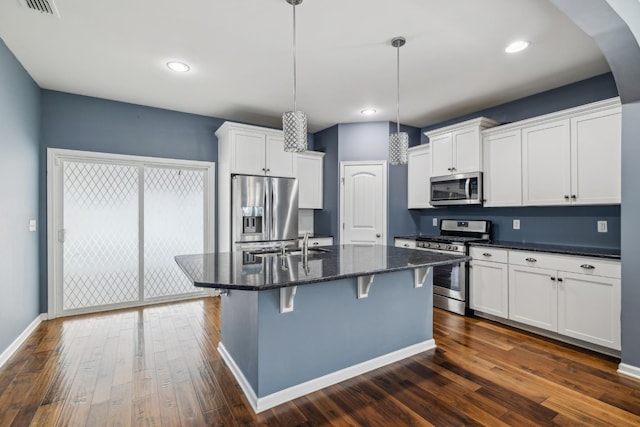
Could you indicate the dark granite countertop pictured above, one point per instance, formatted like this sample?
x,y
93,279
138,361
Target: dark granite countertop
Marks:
x,y
246,271
556,249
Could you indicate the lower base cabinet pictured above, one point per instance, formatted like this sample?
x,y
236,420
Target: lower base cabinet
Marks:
x,y
578,297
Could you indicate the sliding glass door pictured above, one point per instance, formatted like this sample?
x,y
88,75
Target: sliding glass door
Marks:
x,y
117,222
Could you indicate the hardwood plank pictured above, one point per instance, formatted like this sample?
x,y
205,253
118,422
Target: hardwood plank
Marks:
x,y
47,415
188,407
120,405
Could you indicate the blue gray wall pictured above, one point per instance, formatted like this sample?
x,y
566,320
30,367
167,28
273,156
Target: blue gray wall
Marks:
x,y
555,225
92,124
19,142
361,142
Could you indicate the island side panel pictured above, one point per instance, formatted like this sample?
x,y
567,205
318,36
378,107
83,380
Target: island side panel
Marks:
x,y
331,329
239,332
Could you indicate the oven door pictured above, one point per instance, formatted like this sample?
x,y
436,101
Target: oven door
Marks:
x,y
450,280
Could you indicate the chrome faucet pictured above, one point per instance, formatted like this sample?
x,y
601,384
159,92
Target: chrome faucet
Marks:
x,y
305,244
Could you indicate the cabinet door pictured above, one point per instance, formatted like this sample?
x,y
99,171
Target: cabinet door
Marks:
x,y
442,154
589,308
418,177
546,163
502,178
467,156
489,288
248,152
533,297
595,157
310,173
278,162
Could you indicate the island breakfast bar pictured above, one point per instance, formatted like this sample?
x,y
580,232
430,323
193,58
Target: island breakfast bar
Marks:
x,y
292,324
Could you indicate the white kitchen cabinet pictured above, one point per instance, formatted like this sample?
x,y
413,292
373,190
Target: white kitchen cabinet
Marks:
x,y
310,180
489,281
596,157
419,177
252,150
533,297
458,148
546,162
589,308
404,243
575,160
502,158
575,296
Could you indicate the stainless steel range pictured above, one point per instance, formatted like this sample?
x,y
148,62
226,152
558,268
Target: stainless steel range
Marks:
x,y
450,282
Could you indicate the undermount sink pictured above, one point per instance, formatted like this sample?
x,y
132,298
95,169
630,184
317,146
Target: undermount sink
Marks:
x,y
293,251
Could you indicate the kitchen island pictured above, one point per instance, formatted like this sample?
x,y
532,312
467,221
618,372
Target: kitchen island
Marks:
x,y
292,324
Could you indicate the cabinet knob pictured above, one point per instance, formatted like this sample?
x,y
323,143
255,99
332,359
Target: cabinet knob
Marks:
x,y
268,170
531,259
573,196
406,245
552,278
560,279
587,266
486,254
315,243
566,197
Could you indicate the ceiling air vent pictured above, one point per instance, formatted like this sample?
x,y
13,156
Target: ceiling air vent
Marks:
x,y
44,6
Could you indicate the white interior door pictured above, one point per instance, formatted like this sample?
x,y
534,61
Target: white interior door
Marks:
x,y
363,199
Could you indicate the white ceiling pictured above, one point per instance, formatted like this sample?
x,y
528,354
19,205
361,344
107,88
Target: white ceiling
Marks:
x,y
240,55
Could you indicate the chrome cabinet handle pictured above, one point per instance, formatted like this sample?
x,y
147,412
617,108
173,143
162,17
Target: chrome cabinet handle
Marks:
x,y
531,259
587,266
487,254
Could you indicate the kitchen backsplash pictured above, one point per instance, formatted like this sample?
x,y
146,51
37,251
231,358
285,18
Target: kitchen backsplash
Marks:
x,y
561,225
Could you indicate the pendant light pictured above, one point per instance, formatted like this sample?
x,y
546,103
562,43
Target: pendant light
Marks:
x,y
398,141
294,123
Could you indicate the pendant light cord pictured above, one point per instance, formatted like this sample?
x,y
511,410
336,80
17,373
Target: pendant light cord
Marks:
x,y
294,57
398,88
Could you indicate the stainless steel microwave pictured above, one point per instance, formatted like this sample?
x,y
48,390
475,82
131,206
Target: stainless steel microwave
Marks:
x,y
460,189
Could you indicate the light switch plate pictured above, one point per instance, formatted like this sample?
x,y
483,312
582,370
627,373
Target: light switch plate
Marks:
x,y
32,225
434,222
602,226
516,224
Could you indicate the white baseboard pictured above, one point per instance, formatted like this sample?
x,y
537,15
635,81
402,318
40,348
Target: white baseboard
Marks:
x,y
629,370
282,396
13,347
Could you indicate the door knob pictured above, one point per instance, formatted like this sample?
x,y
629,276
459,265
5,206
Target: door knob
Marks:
x,y
378,234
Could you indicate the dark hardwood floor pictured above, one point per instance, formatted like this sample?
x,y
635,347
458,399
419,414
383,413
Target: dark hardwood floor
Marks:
x,y
159,366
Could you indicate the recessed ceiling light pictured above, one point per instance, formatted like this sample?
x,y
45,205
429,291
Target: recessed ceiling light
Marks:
x,y
368,111
178,66
517,46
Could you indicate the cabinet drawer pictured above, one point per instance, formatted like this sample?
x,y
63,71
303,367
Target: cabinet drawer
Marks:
x,y
573,264
488,254
405,243
319,241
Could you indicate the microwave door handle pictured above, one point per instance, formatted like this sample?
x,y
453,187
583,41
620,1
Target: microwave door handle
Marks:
x,y
467,188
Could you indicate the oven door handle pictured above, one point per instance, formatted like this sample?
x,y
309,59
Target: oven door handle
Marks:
x,y
467,188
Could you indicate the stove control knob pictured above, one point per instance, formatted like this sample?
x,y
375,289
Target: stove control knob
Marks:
x,y
435,246
452,248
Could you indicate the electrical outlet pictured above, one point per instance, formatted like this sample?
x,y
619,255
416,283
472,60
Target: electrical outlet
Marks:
x,y
602,226
32,225
516,224
434,222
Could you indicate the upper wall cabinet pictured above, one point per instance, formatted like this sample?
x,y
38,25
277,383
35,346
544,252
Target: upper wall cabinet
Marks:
x,y
310,177
458,148
419,177
502,156
574,160
253,150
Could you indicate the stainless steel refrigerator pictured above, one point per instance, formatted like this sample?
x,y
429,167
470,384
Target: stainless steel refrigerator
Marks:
x,y
264,211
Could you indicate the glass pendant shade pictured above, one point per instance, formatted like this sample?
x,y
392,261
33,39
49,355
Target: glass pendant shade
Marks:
x,y
294,126
398,148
